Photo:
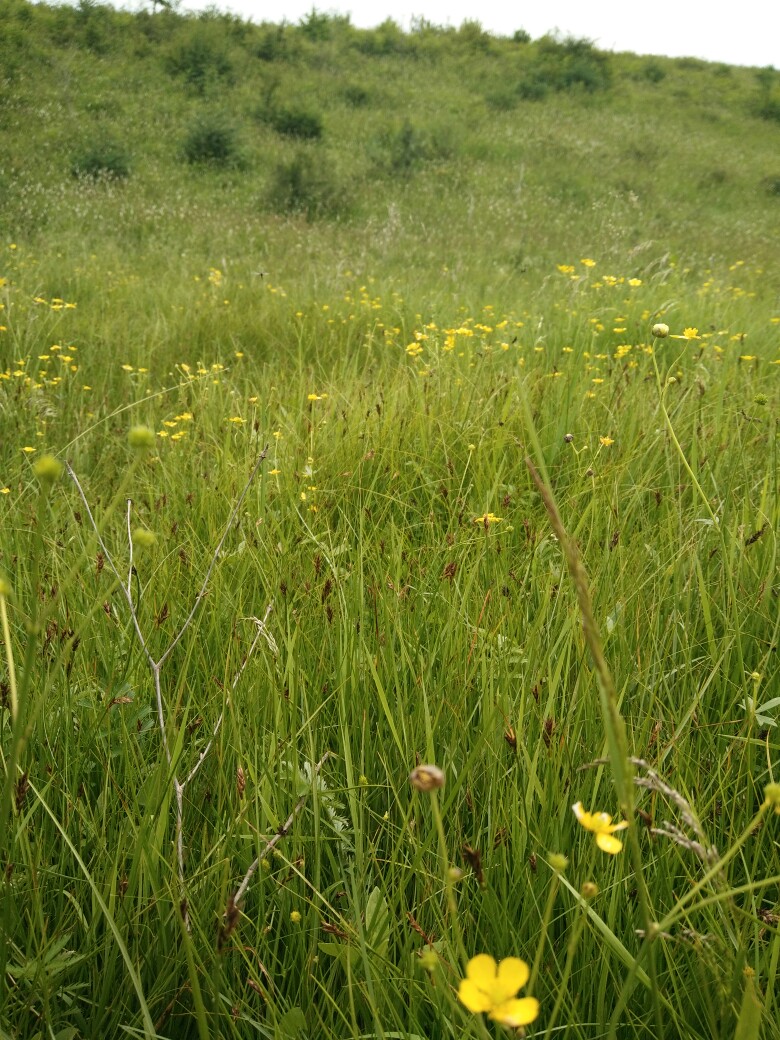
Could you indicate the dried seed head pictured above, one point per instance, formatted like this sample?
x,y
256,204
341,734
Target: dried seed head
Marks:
x,y
427,778
240,782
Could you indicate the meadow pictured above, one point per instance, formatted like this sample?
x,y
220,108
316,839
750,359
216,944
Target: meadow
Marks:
x,y
388,465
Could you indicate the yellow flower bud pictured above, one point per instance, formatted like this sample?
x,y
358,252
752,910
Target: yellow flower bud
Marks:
x,y
141,438
47,469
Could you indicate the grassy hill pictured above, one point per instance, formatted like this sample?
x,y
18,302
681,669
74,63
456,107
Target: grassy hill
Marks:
x,y
285,309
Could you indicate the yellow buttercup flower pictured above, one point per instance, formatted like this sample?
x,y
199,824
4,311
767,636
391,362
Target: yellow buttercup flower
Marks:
x,y
492,988
601,825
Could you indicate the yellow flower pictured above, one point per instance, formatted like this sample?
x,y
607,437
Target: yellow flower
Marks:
x,y
602,826
690,333
606,441
492,987
588,262
488,518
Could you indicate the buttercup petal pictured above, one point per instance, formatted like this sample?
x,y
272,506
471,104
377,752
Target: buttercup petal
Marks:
x,y
609,844
516,1012
619,826
512,975
482,970
474,998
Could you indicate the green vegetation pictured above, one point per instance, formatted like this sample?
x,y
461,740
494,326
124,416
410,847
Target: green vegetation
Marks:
x,y
285,309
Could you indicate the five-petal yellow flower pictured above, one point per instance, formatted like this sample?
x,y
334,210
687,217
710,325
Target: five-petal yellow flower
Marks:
x,y
493,987
600,823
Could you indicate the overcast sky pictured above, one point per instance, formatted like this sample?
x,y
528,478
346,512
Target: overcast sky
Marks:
x,y
742,33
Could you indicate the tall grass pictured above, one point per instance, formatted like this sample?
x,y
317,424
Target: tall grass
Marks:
x,y
258,676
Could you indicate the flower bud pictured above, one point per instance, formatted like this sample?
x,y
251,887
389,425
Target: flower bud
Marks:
x,y
660,331
427,778
143,539
295,917
589,890
141,438
429,960
772,797
47,469
558,862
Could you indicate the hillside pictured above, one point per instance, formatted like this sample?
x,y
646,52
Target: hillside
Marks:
x,y
440,158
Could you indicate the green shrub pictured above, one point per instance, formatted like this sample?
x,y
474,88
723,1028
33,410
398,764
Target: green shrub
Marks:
x,y
296,122
356,96
653,72
199,59
212,139
401,150
521,36
502,100
570,63
101,160
533,87
273,44
305,185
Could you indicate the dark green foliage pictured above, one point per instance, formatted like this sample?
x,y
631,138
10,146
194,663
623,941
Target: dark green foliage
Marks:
x,y
388,38
653,72
273,43
771,185
101,160
566,64
766,103
199,59
212,139
356,96
521,36
295,122
504,99
473,37
305,185
401,150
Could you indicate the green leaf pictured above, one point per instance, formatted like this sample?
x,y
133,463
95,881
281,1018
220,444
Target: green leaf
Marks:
x,y
749,1021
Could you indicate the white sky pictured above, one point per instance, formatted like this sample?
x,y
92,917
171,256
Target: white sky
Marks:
x,y
742,33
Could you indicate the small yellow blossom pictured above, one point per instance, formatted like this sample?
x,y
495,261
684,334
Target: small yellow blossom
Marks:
x,y
602,826
236,419
28,449
634,282
588,262
492,988
606,441
488,518
688,334
5,491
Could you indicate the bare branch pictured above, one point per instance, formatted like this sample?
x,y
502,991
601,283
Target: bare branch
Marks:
x,y
283,831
